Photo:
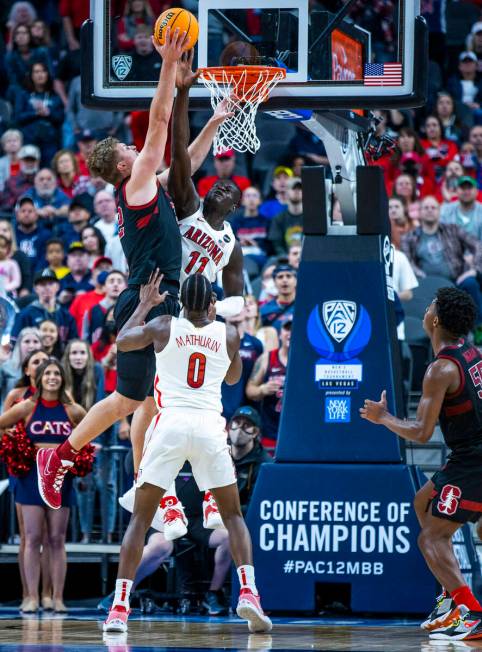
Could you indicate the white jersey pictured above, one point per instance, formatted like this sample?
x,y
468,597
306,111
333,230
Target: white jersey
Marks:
x,y
192,367
204,249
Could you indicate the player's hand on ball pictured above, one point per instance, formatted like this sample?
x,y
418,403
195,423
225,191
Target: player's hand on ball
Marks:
x,y
149,294
374,411
172,49
185,77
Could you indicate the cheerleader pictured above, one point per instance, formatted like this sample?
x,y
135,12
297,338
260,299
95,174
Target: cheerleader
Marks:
x,y
25,388
49,416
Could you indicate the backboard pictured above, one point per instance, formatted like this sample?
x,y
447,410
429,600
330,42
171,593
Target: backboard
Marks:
x,y
338,54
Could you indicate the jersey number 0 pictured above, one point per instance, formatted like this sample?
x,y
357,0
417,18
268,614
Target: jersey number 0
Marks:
x,y
196,370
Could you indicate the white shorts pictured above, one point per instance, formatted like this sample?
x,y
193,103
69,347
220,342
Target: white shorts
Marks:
x,y
181,434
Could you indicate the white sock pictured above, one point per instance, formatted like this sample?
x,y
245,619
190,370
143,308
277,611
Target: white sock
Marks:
x,y
246,578
122,593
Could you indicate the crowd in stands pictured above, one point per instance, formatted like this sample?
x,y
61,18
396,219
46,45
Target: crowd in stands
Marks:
x,y
61,263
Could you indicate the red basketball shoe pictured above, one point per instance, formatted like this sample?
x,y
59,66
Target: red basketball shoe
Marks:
x,y
211,517
50,473
249,608
116,620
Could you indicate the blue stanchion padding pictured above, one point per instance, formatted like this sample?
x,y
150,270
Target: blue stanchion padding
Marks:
x,y
342,351
338,523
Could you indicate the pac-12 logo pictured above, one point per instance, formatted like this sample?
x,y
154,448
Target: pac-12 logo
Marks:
x,y
339,317
121,64
340,321
449,499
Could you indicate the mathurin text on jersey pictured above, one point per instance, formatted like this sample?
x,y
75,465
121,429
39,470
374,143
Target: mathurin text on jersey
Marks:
x,y
198,340
206,242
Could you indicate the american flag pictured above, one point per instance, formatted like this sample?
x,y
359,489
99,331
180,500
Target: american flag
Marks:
x,y
383,74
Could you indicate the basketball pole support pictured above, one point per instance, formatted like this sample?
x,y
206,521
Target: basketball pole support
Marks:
x,y
332,519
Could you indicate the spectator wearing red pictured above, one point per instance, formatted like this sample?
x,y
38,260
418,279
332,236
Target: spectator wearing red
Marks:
x,y
105,352
411,158
86,141
11,142
73,13
115,283
17,186
136,12
224,164
405,188
82,303
439,150
66,168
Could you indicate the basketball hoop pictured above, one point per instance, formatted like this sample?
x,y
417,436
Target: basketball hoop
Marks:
x,y
244,88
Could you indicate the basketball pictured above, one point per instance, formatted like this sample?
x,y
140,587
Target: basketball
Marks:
x,y
177,19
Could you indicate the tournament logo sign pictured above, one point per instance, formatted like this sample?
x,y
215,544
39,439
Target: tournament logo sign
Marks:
x,y
338,332
121,64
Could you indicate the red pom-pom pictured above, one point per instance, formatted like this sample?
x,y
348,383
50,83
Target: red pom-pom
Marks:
x,y
17,451
84,461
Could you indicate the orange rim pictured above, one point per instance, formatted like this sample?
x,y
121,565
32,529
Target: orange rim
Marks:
x,y
245,78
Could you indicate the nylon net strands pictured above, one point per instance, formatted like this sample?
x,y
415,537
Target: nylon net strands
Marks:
x,y
244,88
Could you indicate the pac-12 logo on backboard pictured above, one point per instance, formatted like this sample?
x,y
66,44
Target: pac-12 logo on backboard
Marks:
x,y
121,65
339,317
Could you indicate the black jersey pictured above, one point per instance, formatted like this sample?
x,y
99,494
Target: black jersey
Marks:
x,y
461,413
150,237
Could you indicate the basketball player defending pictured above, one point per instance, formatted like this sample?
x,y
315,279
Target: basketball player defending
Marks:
x,y
194,355
208,243
452,395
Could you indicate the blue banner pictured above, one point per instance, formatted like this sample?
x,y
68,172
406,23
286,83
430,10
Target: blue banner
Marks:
x,y
338,523
342,351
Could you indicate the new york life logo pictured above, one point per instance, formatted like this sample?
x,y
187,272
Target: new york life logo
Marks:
x,y
338,330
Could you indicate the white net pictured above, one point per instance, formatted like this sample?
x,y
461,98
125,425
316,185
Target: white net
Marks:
x,y
243,89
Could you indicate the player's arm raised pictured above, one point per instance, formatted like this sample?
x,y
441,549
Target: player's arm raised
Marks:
x,y
135,334
179,182
441,377
235,370
201,145
233,285
142,183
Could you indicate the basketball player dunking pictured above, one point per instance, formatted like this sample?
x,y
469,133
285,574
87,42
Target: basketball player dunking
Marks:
x,y
452,395
150,238
194,355
209,248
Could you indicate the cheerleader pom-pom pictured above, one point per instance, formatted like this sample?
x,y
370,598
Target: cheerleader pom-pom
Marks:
x,y
84,461
17,452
